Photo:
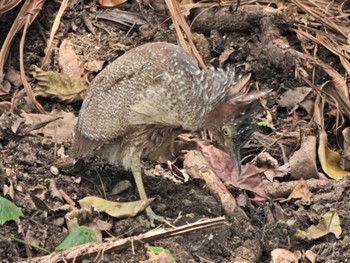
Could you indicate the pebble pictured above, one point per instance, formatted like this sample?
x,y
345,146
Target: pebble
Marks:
x,y
54,170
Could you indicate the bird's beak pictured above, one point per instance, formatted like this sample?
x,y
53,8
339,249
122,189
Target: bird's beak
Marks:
x,y
235,154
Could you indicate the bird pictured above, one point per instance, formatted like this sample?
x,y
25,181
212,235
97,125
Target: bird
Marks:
x,y
138,105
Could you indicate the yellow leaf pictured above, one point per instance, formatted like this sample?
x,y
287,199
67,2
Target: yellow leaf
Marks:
x,y
116,209
330,223
329,159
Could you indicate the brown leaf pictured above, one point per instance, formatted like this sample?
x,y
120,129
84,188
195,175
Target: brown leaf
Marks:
x,y
280,255
300,194
250,178
60,130
14,77
225,55
111,3
309,257
219,160
303,162
292,97
345,158
70,65
94,66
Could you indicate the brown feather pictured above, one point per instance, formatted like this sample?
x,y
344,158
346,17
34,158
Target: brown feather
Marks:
x,y
83,146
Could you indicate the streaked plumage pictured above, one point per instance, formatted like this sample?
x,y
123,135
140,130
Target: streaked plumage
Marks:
x,y
151,92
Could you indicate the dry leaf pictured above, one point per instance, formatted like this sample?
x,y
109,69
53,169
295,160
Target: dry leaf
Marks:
x,y
345,158
125,20
60,130
250,178
309,257
94,66
330,160
337,95
116,209
225,55
303,162
269,165
70,65
14,77
330,223
300,194
111,3
57,86
220,161
158,255
280,255
292,97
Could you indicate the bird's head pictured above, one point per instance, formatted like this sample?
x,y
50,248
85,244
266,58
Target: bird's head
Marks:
x,y
232,127
232,123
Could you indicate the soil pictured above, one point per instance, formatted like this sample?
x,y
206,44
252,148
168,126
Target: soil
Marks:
x,y
258,228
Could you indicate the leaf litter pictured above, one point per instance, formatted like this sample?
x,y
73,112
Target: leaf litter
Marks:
x,y
316,98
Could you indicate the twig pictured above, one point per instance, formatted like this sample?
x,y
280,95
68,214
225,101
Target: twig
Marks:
x,y
92,249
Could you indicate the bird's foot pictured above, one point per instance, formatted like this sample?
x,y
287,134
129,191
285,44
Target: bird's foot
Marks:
x,y
154,217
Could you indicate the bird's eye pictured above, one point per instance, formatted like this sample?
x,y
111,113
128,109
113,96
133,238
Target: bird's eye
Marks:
x,y
226,131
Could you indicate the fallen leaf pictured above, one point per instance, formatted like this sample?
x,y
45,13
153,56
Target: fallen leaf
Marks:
x,y
57,86
270,166
279,255
111,3
345,158
309,257
300,194
330,223
94,66
116,209
224,56
79,236
292,97
8,211
250,178
303,161
70,65
14,77
329,159
158,255
123,19
338,91
220,161
60,130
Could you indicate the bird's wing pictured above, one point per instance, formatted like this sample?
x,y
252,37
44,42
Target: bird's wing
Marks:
x,y
158,104
104,113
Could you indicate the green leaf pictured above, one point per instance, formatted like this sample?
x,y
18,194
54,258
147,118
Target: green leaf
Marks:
x,y
160,250
79,236
8,211
263,123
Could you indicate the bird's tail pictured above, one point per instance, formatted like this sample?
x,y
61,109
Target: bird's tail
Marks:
x,y
82,145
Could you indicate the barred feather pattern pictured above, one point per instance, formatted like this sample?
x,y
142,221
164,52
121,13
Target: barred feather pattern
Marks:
x,y
136,102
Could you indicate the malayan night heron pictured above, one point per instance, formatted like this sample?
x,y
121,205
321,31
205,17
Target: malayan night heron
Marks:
x,y
139,103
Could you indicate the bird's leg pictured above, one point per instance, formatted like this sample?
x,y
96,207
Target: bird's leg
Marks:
x,y
136,171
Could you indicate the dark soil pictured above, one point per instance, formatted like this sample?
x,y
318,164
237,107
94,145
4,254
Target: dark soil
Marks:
x,y
258,228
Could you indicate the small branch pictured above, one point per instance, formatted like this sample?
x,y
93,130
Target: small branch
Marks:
x,y
92,249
